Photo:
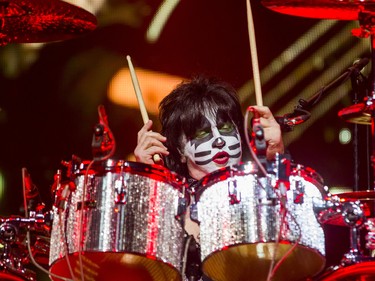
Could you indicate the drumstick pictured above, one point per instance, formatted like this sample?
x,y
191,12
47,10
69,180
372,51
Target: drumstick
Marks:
x,y
254,57
137,90
142,107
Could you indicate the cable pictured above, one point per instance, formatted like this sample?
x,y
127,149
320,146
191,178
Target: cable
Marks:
x,y
273,270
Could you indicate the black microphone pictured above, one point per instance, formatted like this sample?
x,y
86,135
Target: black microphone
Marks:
x,y
288,121
358,65
300,114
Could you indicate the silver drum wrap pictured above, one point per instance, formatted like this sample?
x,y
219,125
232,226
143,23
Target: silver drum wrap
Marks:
x,y
144,223
255,218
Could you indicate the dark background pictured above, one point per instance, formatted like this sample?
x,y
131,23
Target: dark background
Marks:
x,y
49,104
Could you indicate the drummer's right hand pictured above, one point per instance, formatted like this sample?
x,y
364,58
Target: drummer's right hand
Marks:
x,y
149,143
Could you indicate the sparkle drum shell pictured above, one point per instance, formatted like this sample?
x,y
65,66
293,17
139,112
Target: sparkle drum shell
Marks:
x,y
238,238
130,228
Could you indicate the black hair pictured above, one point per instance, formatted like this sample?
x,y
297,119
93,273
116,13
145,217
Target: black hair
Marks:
x,y
182,111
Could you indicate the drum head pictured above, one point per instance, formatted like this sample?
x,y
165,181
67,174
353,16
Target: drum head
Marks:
x,y
115,266
241,260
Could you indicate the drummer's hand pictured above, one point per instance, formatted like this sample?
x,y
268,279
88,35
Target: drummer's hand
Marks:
x,y
272,131
149,143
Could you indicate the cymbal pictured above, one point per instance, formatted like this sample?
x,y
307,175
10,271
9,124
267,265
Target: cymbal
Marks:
x,y
35,21
366,199
358,195
322,9
358,113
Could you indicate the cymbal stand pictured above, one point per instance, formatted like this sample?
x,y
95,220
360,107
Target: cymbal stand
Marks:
x,y
332,209
354,217
367,30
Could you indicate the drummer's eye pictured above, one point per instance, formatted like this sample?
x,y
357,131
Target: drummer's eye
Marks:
x,y
201,134
226,128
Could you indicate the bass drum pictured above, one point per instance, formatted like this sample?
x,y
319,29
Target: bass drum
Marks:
x,y
126,215
363,271
4,276
243,232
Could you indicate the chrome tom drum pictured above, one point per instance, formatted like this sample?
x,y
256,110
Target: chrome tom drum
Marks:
x,y
129,229
240,224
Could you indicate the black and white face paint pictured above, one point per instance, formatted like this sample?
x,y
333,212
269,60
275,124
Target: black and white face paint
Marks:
x,y
216,144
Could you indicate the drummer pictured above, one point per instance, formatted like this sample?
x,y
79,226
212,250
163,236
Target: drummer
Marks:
x,y
202,131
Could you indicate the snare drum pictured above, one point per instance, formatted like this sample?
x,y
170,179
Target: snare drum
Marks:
x,y
130,226
240,223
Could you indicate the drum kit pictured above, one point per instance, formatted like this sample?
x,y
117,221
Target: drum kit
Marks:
x,y
121,220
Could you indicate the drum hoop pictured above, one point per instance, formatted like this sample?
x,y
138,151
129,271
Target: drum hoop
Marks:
x,y
156,172
246,168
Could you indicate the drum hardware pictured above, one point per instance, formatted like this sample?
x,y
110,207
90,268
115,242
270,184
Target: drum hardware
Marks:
x,y
35,21
233,194
354,265
13,253
298,192
303,107
62,190
120,189
182,205
103,143
333,210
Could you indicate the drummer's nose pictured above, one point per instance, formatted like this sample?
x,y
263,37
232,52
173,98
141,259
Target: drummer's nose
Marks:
x,y
219,141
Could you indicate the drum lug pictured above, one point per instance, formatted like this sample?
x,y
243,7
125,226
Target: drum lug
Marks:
x,y
283,170
234,195
63,194
120,191
181,207
298,192
194,212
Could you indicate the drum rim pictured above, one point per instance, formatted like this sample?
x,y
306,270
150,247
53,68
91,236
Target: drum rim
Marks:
x,y
221,174
248,168
142,255
158,172
300,246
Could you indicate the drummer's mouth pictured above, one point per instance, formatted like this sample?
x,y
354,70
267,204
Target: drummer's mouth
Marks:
x,y
221,158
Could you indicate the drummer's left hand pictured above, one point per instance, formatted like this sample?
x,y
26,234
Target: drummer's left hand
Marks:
x,y
272,131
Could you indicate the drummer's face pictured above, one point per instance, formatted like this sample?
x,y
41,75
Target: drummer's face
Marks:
x,y
215,144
